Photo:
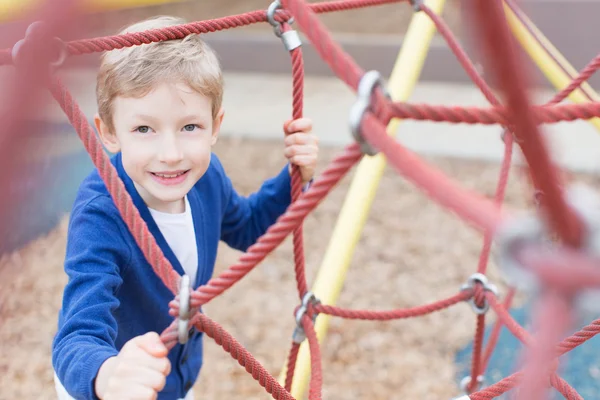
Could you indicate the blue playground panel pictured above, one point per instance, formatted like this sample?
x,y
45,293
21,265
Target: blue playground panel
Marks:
x,y
580,367
46,188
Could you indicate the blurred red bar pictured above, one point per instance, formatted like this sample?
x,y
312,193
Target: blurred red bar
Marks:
x,y
22,84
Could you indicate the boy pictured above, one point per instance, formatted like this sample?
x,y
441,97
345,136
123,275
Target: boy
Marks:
x,y
159,111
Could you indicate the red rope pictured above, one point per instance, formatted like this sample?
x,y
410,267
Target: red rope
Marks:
x,y
393,314
476,357
551,319
489,115
564,388
298,98
291,366
316,374
495,335
107,43
470,206
473,208
501,55
216,332
130,214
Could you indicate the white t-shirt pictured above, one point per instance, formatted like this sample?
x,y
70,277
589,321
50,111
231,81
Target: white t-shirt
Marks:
x,y
178,230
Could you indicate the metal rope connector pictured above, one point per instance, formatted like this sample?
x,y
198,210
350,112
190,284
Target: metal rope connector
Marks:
x,y
532,230
37,31
464,397
184,309
466,382
299,334
416,4
488,287
367,85
291,39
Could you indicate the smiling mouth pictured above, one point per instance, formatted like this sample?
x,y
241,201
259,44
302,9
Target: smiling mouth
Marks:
x,y
170,175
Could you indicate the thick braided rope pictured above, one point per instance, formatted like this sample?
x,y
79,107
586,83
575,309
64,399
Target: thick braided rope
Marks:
x,y
495,334
291,366
490,115
107,43
393,314
316,374
472,207
504,64
294,215
478,363
297,108
221,337
1,55
130,214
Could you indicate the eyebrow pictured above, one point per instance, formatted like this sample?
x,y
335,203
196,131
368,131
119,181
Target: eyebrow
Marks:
x,y
144,117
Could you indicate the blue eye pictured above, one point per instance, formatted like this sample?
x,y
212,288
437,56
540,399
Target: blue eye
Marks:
x,y
190,127
143,129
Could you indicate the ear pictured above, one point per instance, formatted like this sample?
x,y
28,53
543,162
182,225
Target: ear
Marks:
x,y
109,139
217,126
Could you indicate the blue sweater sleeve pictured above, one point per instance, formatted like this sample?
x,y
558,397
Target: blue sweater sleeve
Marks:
x,y
87,329
245,219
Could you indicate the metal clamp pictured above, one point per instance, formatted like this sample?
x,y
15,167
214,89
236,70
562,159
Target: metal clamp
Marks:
x,y
366,87
37,32
184,309
488,287
532,230
416,4
299,334
291,40
466,381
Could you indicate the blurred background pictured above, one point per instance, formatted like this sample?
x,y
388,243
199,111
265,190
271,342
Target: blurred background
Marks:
x,y
410,250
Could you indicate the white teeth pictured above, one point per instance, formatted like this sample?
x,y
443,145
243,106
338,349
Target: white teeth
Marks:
x,y
169,175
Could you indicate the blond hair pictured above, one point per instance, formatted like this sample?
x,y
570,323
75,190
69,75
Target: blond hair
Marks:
x,y
135,71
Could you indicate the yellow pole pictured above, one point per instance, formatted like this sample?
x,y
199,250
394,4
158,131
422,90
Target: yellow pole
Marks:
x,y
14,9
549,60
355,209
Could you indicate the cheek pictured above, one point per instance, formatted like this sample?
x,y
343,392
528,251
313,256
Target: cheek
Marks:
x,y
135,157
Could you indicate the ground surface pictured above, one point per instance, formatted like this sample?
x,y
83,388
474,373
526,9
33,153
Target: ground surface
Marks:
x,y
412,252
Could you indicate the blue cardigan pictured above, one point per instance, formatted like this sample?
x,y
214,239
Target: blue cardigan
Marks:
x,y
113,294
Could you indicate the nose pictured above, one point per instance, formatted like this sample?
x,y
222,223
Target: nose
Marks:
x,y
170,151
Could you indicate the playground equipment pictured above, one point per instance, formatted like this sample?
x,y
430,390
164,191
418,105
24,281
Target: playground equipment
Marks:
x,y
564,216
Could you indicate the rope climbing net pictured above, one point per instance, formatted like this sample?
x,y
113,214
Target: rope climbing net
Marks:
x,y
561,274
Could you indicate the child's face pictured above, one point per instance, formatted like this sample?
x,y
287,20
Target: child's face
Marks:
x,y
165,139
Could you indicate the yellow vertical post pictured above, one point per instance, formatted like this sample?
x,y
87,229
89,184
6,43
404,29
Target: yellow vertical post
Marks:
x,y
548,59
354,212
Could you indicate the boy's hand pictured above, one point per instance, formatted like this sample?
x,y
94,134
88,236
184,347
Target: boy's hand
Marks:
x,y
301,146
139,371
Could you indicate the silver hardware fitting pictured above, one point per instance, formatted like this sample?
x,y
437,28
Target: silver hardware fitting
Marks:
x,y
299,334
466,381
291,39
416,4
488,287
532,230
37,31
184,309
366,87
465,397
